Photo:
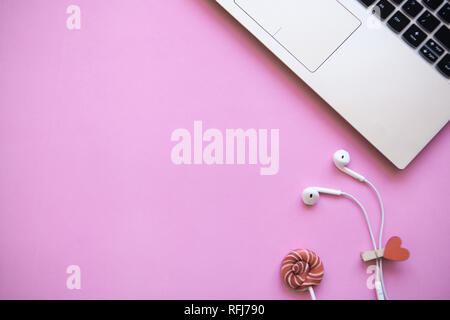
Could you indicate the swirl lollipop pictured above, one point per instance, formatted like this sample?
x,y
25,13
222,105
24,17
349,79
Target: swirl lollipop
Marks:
x,y
301,270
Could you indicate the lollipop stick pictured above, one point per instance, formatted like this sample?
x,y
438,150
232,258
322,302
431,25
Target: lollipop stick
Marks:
x,y
311,292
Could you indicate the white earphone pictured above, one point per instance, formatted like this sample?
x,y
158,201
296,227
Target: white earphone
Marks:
x,y
311,195
341,158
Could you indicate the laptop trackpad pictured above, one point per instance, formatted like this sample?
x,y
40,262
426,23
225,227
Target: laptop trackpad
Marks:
x,y
311,30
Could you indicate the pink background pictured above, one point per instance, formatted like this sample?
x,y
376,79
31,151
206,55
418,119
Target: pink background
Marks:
x,y
86,176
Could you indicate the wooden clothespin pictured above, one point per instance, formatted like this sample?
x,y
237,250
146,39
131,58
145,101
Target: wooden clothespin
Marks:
x,y
392,251
372,255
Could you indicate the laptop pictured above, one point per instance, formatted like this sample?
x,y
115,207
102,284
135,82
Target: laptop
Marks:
x,y
384,66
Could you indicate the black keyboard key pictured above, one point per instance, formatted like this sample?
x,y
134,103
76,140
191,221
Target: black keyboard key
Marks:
x,y
398,21
444,65
412,8
433,4
414,36
367,2
428,55
444,12
383,9
428,21
397,1
435,47
443,36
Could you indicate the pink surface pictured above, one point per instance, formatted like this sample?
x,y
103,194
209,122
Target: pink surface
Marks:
x,y
86,176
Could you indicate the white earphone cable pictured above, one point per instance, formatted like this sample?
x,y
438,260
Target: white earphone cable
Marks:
x,y
341,159
365,215
380,241
378,269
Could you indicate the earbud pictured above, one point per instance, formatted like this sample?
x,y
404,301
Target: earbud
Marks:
x,y
341,160
311,195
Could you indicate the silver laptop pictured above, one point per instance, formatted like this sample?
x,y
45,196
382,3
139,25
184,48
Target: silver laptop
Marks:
x,y
382,65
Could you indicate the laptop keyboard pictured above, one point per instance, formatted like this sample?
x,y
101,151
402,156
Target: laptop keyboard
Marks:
x,y
422,24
